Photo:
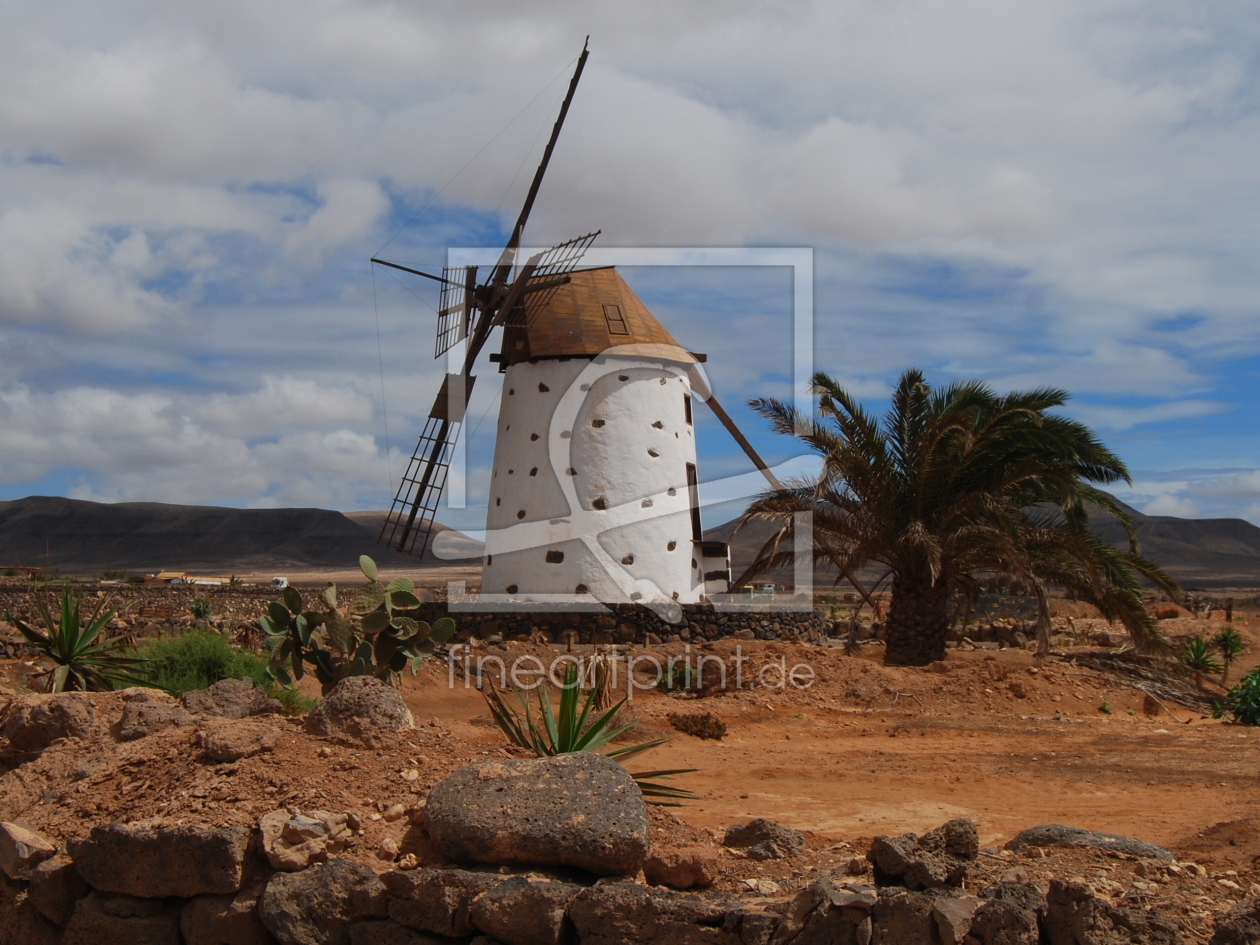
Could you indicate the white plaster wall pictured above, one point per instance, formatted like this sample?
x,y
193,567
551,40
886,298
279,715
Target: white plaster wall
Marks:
x,y
590,462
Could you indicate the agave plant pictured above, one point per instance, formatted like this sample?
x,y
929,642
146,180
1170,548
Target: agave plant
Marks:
x,y
1197,657
1230,643
84,659
566,729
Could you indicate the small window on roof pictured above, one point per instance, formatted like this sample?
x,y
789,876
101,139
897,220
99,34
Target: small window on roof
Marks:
x,y
616,324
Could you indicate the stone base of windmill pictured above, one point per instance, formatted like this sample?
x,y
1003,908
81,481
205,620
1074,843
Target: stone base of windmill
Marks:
x,y
634,623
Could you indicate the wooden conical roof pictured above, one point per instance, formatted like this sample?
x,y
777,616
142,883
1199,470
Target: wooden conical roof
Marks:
x,y
594,312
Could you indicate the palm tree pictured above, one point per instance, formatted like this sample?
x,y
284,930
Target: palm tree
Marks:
x,y
954,487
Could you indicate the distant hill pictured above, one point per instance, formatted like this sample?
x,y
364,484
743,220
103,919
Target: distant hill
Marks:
x,y
90,537
1199,553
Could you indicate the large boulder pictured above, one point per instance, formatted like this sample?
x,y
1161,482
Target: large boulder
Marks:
x,y
1059,835
579,809
319,905
102,919
22,849
436,900
146,713
38,721
1075,916
629,914
231,699
162,861
360,707
521,912
939,858
764,839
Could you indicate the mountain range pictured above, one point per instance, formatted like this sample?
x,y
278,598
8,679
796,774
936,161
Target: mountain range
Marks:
x,y
78,537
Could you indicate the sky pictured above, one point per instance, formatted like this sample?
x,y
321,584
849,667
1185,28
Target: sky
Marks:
x,y
1062,194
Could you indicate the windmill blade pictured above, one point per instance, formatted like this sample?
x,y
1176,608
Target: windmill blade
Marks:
x,y
549,274
508,258
409,522
454,307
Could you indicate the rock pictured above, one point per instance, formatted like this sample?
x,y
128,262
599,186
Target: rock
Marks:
x,y
162,861
903,917
953,915
101,919
1240,925
388,850
232,741
20,922
143,715
55,887
226,920
939,858
318,906
520,912
231,699
1016,875
825,913
1075,916
361,707
1058,835
385,932
21,850
579,809
764,839
1005,922
293,841
436,900
38,721
626,913
682,867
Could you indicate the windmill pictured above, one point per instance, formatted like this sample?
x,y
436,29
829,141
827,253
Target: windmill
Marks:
x,y
594,488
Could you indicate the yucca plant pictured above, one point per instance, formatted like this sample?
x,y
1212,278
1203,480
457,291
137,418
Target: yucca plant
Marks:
x,y
1230,643
84,659
559,731
1197,657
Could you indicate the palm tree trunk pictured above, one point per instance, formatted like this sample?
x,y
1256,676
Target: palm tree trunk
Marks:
x,y
918,623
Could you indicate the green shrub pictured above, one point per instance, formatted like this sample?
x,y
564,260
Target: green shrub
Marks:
x,y
200,607
197,659
201,658
1243,701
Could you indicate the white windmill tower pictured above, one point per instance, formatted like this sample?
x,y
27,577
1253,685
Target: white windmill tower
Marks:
x,y
594,489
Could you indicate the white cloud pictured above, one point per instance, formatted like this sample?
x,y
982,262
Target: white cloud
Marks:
x,y
1167,504
1110,417
280,445
167,171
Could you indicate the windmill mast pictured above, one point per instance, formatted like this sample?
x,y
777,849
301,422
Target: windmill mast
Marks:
x,y
411,516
